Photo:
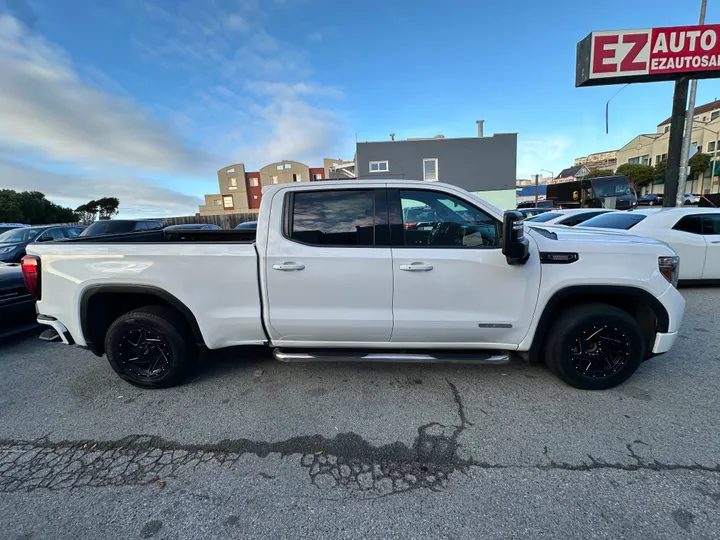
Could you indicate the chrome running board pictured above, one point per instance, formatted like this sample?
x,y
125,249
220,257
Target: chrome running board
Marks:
x,y
299,356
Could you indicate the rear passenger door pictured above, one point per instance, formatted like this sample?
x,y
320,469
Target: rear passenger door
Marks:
x,y
328,267
688,240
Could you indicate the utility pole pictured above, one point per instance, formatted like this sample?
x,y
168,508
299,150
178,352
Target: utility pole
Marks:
x,y
682,179
674,160
537,181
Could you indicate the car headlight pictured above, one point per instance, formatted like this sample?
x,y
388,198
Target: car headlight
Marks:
x,y
7,249
670,269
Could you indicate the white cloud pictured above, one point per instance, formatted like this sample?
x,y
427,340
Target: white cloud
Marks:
x,y
47,110
235,21
543,152
293,90
138,197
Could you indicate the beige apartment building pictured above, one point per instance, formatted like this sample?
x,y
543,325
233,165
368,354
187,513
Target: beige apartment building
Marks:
x,y
650,148
599,160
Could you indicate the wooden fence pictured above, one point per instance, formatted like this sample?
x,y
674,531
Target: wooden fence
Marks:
x,y
226,221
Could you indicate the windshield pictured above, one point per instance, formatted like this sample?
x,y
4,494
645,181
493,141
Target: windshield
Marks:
x,y
19,235
542,218
109,227
611,190
614,220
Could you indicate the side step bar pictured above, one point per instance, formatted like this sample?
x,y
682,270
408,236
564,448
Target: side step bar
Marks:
x,y
300,356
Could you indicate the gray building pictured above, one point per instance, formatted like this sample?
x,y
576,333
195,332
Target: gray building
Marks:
x,y
483,165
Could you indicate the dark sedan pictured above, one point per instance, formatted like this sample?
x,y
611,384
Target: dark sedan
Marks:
x,y
194,227
105,227
650,199
17,307
14,241
251,225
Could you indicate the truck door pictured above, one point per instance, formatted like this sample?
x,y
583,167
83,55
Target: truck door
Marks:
x,y
452,284
329,267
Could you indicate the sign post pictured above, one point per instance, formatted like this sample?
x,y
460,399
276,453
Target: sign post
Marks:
x,y
678,53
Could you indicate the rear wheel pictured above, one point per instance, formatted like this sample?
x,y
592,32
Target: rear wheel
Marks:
x,y
151,347
594,346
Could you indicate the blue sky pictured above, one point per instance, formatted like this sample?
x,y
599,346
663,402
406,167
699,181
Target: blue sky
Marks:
x,y
146,99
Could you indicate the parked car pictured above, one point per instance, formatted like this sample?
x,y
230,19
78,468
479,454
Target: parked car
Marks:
x,y
548,204
120,226
194,227
17,305
650,199
694,233
247,225
14,242
569,218
336,269
691,198
9,226
529,212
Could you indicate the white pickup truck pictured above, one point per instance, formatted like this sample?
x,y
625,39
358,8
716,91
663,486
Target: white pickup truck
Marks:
x,y
380,270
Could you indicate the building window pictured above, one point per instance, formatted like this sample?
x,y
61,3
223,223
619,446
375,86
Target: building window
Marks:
x,y
333,218
255,197
378,166
287,166
231,169
714,115
297,177
253,182
274,179
711,146
634,160
317,176
218,202
279,167
667,128
430,169
699,148
228,202
232,183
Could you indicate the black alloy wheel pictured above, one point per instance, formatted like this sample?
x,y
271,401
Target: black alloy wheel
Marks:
x,y
151,347
594,346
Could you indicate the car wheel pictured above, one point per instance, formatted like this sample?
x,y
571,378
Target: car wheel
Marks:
x,y
651,203
151,347
594,346
686,203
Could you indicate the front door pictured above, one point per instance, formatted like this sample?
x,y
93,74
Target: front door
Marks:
x,y
328,278
711,228
452,284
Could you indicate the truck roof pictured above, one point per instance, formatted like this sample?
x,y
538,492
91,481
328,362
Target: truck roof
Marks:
x,y
351,183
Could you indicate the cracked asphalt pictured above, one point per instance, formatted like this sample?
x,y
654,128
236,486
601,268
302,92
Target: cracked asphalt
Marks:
x,y
256,449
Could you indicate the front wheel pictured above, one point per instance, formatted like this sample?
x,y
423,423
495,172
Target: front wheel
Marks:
x,y
151,347
594,346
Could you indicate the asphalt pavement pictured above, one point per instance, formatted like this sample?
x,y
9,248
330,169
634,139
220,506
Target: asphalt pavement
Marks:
x,y
257,449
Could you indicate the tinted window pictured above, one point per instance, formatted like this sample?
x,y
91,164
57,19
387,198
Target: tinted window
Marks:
x,y
690,224
431,218
615,220
333,218
542,218
51,234
72,232
576,219
711,224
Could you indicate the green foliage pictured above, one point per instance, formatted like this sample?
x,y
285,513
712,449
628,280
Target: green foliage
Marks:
x,y
699,163
659,169
104,208
638,175
597,173
33,208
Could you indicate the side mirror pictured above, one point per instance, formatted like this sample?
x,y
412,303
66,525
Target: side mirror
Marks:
x,y
515,246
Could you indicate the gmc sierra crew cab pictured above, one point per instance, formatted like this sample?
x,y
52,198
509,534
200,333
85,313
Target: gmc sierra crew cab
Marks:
x,y
368,270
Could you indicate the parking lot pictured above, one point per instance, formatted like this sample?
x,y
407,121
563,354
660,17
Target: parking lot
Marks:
x,y
254,448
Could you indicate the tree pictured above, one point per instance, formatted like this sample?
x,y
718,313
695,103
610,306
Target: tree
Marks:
x,y
638,175
108,207
597,173
659,169
33,208
699,163
87,212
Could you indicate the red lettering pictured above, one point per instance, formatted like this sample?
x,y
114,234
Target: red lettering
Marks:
x,y
601,53
629,63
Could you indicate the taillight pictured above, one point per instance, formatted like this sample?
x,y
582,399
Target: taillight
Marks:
x,y
31,274
411,225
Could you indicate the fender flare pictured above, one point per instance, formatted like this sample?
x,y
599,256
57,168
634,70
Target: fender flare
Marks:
x,y
162,294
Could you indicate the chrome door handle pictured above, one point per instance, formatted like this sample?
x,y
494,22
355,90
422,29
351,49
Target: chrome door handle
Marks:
x,y
416,267
289,267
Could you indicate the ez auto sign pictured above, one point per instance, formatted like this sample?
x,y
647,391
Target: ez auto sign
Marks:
x,y
655,54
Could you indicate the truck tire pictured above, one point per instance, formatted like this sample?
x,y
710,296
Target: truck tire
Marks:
x,y
594,346
151,347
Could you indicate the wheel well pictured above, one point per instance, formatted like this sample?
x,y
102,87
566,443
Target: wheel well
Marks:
x,y
641,306
100,307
